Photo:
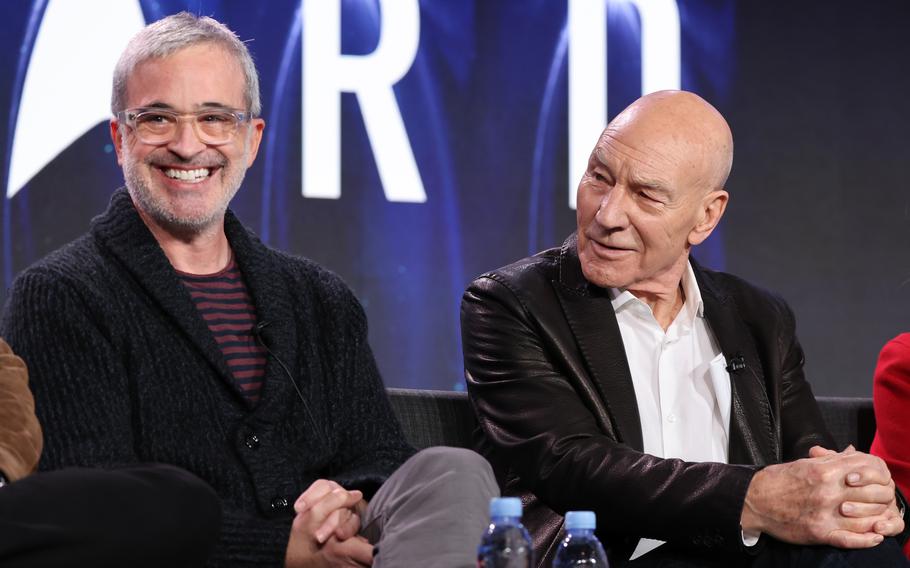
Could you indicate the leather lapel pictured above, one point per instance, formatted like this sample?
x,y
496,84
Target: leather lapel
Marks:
x,y
590,314
121,231
752,439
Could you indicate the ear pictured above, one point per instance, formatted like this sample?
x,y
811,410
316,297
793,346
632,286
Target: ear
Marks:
x,y
258,125
711,210
117,139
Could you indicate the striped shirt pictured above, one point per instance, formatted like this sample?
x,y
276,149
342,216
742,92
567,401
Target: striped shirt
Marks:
x,y
224,303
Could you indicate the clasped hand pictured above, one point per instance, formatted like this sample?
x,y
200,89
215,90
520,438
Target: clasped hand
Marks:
x,y
843,499
324,531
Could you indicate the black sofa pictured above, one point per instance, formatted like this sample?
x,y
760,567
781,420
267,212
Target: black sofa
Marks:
x,y
443,418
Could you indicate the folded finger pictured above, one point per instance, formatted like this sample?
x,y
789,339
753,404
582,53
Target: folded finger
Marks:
x,y
337,499
819,451
348,527
359,550
849,539
857,509
889,527
316,491
880,494
332,521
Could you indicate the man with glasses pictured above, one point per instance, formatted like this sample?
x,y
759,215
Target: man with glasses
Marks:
x,y
170,333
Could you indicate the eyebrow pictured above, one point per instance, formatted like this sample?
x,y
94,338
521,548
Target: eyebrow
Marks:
x,y
165,106
636,180
648,183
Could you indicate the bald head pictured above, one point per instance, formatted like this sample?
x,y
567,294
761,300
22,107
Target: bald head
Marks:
x,y
682,124
654,188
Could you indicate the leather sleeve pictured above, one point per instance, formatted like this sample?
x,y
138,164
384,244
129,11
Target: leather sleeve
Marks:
x,y
20,432
801,422
540,428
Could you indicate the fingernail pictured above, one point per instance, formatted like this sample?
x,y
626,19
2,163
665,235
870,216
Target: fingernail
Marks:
x,y
320,537
847,508
878,538
852,477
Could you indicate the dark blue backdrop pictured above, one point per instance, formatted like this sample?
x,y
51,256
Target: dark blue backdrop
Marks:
x,y
485,106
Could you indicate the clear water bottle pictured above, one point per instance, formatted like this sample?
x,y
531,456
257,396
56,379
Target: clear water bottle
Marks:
x,y
505,543
580,547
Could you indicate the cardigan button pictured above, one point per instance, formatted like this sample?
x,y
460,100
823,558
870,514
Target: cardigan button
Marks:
x,y
252,441
279,504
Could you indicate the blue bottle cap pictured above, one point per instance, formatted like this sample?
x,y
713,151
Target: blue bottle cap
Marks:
x,y
505,507
581,520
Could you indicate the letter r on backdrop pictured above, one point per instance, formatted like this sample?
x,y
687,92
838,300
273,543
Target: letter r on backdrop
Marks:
x,y
327,73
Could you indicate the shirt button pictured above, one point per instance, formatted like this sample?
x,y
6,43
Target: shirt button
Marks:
x,y
279,503
252,441
671,418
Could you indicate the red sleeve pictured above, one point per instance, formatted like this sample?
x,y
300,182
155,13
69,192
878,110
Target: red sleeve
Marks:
x,y
891,398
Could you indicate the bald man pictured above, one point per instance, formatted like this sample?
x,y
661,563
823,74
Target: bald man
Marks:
x,y
616,374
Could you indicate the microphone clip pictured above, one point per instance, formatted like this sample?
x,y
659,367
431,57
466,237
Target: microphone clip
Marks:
x,y
736,364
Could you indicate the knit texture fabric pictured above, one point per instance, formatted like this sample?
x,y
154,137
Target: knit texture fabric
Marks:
x,y
124,370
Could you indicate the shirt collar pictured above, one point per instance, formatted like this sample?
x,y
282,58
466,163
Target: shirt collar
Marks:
x,y
693,306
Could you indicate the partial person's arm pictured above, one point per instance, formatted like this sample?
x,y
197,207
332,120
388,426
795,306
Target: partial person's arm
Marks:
x,y
541,427
20,432
891,398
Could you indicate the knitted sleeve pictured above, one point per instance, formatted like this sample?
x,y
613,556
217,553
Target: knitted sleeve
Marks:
x,y
80,387
372,443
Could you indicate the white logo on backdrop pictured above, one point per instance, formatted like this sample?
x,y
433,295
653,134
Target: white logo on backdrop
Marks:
x,y
67,88
660,67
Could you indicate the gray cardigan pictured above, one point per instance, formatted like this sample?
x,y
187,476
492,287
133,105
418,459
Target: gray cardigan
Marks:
x,y
124,370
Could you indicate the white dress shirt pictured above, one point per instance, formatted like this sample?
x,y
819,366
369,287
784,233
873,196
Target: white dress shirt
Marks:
x,y
680,379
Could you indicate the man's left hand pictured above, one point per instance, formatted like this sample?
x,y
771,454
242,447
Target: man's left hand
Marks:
x,y
877,479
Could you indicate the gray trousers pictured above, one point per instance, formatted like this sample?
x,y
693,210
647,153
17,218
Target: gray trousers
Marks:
x,y
432,511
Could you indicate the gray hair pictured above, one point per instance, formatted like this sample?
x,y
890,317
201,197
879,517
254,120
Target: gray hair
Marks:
x,y
173,33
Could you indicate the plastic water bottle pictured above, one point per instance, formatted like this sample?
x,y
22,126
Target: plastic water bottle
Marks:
x,y
506,543
580,547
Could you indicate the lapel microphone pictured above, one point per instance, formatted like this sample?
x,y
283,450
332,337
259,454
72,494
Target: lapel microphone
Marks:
x,y
736,364
259,335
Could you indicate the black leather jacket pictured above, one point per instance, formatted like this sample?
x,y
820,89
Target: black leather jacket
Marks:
x,y
548,377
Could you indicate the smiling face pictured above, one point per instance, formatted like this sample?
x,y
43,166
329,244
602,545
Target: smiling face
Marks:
x,y
652,189
183,185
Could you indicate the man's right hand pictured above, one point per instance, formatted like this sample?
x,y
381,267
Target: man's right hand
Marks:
x,y
801,502
324,532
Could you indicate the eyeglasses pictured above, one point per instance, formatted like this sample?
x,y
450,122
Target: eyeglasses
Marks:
x,y
158,126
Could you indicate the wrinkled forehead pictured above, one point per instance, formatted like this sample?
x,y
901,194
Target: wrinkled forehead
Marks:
x,y
658,154
680,133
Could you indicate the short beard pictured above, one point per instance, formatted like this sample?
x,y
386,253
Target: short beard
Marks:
x,y
158,210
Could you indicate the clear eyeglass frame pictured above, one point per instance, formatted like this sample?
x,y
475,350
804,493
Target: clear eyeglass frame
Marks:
x,y
213,126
